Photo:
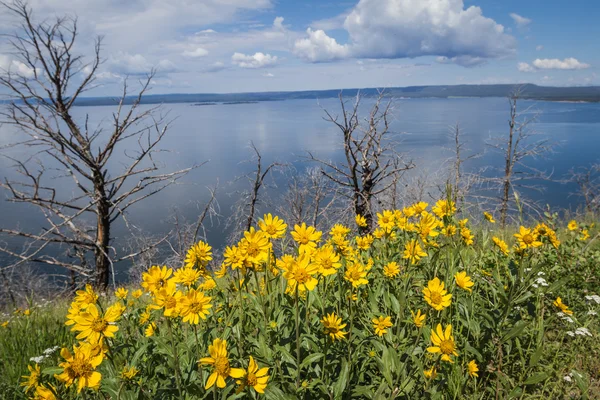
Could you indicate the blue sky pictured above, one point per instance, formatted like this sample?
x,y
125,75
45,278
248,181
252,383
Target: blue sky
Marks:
x,y
272,45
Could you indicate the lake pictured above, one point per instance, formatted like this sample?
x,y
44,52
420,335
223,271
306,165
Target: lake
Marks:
x,y
285,130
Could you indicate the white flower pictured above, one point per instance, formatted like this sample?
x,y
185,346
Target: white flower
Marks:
x,y
37,360
541,273
570,333
51,350
567,378
535,286
541,281
568,319
583,332
594,298
527,269
592,312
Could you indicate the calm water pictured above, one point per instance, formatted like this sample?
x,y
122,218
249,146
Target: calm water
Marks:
x,y
284,131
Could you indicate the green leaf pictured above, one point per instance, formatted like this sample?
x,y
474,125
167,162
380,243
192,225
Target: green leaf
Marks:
x,y
311,359
515,331
51,371
342,382
536,356
536,378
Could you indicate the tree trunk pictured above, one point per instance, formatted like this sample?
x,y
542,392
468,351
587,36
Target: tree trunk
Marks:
x,y
102,234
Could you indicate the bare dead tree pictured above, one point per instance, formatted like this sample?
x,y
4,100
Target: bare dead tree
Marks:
x,y
371,160
311,198
245,209
518,148
41,104
588,182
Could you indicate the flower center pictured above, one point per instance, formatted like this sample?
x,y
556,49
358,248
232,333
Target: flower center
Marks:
x,y
196,307
251,379
222,365
79,368
272,230
447,346
303,238
170,302
436,297
252,249
301,276
99,325
528,239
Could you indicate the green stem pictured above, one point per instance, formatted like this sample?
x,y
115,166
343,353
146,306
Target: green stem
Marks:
x,y
177,370
297,337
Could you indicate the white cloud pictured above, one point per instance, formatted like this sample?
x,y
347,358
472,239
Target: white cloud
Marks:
x,y
278,24
525,67
464,61
520,21
411,28
10,65
123,63
268,75
197,52
319,47
206,31
258,60
555,63
539,47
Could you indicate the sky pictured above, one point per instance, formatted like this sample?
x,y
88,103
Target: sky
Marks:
x,y
224,46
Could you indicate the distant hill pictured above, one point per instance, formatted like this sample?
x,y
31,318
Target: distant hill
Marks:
x,y
529,91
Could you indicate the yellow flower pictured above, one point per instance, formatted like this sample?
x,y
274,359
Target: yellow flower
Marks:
x,y
273,227
501,244
473,369
306,236
444,208
391,269
85,297
255,247
198,255
121,293
449,230
585,235
220,363
527,238
4,324
254,377
413,251
150,329
333,326
208,284
489,217
155,278
418,318
435,295
300,274
137,293
273,324
364,243
381,324
572,225
187,276
467,236
327,260
44,393
543,230
386,220
93,326
419,208
128,373
430,373
144,317
356,274
221,272
563,307
33,379
360,221
27,312
168,298
427,225
443,342
463,280
193,306
339,230
80,367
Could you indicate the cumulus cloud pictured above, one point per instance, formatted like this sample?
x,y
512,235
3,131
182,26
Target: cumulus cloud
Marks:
x,y
520,21
318,47
555,63
197,52
525,67
464,61
278,24
10,65
123,63
258,60
411,28
539,47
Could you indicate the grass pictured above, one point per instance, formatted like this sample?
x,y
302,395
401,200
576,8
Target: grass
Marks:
x,y
319,342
